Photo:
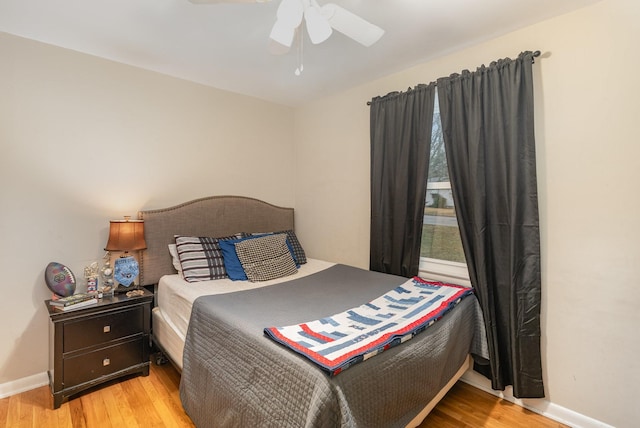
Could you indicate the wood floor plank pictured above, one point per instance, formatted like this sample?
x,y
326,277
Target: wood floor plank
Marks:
x,y
95,408
157,397
466,406
167,379
145,415
4,410
165,397
78,419
154,401
63,416
41,411
127,413
20,414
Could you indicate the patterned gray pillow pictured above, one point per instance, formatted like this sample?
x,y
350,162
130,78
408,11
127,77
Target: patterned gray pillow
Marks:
x,y
201,258
266,258
298,252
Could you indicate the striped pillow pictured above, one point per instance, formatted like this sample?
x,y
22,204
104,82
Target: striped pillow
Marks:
x,y
266,258
201,258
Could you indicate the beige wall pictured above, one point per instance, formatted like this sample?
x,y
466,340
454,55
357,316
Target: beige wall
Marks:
x,y
84,140
587,115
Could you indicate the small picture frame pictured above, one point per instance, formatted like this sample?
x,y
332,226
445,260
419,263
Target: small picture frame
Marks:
x,y
92,285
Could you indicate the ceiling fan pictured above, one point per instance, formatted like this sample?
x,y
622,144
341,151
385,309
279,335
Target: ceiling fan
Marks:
x,y
319,20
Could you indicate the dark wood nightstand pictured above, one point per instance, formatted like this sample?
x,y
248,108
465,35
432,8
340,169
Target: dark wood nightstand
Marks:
x,y
96,344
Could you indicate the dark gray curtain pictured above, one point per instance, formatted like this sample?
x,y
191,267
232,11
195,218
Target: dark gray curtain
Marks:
x,y
400,142
487,118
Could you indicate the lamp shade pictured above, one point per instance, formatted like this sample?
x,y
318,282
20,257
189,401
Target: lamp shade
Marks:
x,y
126,235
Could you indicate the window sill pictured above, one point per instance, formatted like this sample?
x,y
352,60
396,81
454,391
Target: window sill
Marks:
x,y
444,270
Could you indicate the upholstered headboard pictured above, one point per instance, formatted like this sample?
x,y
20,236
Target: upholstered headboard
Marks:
x,y
212,216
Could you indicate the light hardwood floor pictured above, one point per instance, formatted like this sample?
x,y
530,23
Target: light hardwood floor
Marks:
x,y
154,401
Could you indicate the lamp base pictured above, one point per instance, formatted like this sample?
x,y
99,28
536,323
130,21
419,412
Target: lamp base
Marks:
x,y
121,289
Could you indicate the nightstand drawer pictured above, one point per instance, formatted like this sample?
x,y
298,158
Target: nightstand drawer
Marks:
x,y
93,365
102,329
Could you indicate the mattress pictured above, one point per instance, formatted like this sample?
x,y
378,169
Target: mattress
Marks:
x,y
175,299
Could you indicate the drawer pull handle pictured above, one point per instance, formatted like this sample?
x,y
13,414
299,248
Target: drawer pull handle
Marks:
x,y
106,362
106,329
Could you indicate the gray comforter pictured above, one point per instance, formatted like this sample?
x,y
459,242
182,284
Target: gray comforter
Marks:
x,y
234,376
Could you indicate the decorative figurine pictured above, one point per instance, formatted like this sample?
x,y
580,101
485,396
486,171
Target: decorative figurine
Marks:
x,y
106,275
91,277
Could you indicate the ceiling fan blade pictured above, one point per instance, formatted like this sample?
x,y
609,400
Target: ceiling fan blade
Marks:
x,y
228,1
289,17
317,25
351,25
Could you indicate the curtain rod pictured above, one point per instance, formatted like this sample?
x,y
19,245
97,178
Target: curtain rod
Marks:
x,y
535,55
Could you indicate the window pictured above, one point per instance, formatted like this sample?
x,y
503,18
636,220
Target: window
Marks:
x,y
441,253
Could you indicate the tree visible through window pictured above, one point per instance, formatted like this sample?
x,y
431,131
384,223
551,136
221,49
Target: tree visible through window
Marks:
x,y
440,234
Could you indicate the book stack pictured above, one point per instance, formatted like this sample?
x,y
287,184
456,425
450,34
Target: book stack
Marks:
x,y
76,301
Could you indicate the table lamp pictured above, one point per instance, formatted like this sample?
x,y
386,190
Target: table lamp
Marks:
x,y
126,235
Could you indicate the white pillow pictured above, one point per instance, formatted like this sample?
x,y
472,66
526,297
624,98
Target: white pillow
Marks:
x,y
175,259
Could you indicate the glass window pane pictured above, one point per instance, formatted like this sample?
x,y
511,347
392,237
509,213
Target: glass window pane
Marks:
x,y
440,234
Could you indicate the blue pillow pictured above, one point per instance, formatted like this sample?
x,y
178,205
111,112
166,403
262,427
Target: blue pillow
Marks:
x,y
231,261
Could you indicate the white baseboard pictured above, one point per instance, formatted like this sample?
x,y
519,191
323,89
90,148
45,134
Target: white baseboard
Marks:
x,y
25,384
540,406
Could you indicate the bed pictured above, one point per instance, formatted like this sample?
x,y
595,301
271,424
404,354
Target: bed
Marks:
x,y
232,374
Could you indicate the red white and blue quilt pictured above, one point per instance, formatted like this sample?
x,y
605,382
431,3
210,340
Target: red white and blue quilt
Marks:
x,y
337,342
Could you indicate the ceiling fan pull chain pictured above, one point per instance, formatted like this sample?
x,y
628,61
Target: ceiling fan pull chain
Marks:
x,y
300,40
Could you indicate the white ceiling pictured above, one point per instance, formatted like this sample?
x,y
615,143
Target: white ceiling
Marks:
x,y
225,45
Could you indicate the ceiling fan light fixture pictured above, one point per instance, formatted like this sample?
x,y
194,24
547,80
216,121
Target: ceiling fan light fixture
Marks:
x,y
320,22
351,25
317,25
290,13
282,33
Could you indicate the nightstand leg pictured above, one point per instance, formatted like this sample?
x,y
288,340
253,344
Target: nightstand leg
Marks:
x,y
57,400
